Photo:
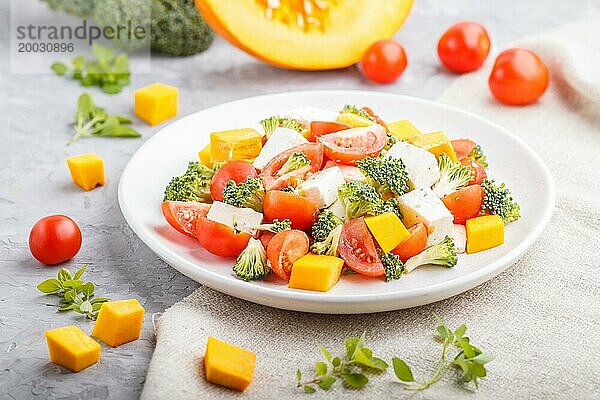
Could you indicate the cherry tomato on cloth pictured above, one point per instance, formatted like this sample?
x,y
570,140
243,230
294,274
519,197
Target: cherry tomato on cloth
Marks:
x,y
351,145
463,147
281,205
358,249
182,215
477,170
519,77
220,239
464,47
465,203
414,244
237,171
273,179
54,239
320,128
384,61
284,249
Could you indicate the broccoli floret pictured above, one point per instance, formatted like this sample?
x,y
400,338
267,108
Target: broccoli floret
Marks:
x,y
443,254
498,200
357,111
276,226
288,189
391,140
386,174
328,246
251,264
326,222
134,13
453,176
297,160
274,122
393,265
80,8
360,199
477,155
390,205
249,194
193,185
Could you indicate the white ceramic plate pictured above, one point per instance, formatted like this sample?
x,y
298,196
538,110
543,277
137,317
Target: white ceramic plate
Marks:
x,y
167,153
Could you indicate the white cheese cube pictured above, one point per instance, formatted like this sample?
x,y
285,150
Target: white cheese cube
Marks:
x,y
241,219
305,115
350,172
322,187
421,165
459,236
281,140
422,205
338,210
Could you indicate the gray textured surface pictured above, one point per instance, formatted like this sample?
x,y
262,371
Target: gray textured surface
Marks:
x,y
34,181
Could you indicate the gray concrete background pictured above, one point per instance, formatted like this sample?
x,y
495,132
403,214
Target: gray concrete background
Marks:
x,y
35,113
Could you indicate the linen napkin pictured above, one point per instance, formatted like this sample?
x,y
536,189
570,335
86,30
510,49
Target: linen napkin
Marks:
x,y
540,318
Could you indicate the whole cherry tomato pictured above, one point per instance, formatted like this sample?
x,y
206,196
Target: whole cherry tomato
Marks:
x,y
384,61
54,239
237,171
464,47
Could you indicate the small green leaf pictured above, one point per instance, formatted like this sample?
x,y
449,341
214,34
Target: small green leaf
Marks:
x,y
99,300
104,54
88,289
402,370
123,120
78,63
96,306
309,389
320,368
483,358
111,88
354,344
64,275
51,285
298,375
336,362
66,307
59,68
85,104
355,381
86,306
460,331
80,272
324,351
326,382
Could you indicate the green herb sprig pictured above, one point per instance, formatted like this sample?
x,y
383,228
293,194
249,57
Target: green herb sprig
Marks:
x,y
75,294
109,71
93,121
352,370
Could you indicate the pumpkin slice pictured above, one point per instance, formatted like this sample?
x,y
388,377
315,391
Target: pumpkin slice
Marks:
x,y
305,34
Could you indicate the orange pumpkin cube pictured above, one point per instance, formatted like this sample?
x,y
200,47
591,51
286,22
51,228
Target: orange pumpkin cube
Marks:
x,y
228,365
71,348
87,170
119,322
156,103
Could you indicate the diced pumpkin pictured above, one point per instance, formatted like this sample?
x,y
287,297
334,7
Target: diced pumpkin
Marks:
x,y
119,322
236,144
307,34
436,143
484,232
403,129
156,103
71,348
388,230
204,156
228,365
353,120
87,170
316,272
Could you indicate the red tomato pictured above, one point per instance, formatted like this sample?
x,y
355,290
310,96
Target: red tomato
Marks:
x,y
477,170
182,215
351,145
54,239
519,77
220,239
265,237
237,171
465,203
377,118
272,180
281,205
358,250
320,128
414,244
464,47
384,61
284,249
463,147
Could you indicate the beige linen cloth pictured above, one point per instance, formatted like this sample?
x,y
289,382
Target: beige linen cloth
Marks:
x,y
540,318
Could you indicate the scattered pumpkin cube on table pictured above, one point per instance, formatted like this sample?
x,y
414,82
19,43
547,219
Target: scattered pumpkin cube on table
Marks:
x,y
228,365
484,232
71,348
388,230
235,144
119,322
87,170
316,272
436,143
156,103
403,130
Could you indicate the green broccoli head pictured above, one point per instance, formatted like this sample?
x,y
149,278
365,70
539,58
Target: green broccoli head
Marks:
x,y
251,264
326,222
390,205
193,185
118,13
359,199
351,109
296,161
79,8
443,254
329,245
249,194
386,174
270,124
498,200
453,176
393,265
391,140
477,155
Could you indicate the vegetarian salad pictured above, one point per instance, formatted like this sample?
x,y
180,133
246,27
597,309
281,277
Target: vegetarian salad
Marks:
x,y
313,194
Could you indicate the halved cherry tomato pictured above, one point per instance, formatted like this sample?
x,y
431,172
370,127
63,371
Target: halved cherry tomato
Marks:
x,y
281,205
414,244
269,174
464,47
358,250
320,128
284,249
465,203
351,145
384,61
220,239
477,170
463,147
237,171
377,118
54,239
265,237
182,215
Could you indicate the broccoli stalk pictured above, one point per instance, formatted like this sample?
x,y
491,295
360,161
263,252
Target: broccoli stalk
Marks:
x,y
453,176
251,264
249,194
276,226
393,265
477,155
386,174
296,161
443,254
498,200
328,246
357,111
193,185
270,124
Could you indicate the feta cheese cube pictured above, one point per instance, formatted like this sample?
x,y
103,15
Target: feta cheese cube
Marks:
x,y
350,172
305,115
422,205
241,219
322,187
421,165
459,236
281,140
